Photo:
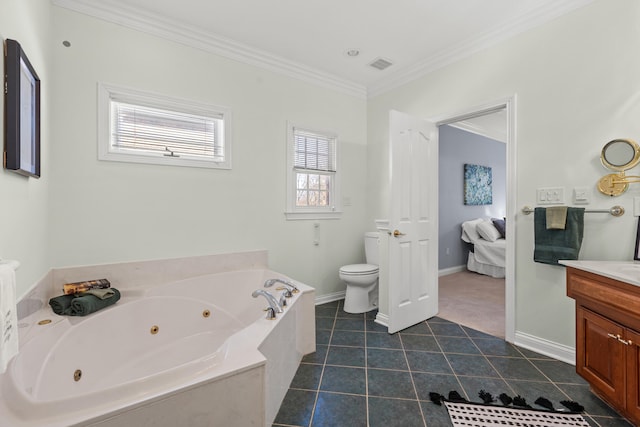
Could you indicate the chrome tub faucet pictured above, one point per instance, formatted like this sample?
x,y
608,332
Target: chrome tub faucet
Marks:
x,y
274,304
288,287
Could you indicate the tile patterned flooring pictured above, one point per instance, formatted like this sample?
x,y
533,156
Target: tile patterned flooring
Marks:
x,y
362,376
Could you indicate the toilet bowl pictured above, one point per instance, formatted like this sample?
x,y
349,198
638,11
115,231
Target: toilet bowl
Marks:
x,y
362,279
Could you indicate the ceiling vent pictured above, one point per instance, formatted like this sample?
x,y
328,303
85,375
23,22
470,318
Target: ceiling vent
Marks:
x,y
381,63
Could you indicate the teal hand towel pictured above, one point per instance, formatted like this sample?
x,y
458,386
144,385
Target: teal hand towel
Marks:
x,y
60,305
100,293
83,305
552,245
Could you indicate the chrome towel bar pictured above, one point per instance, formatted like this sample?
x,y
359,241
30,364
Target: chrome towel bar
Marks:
x,y
615,211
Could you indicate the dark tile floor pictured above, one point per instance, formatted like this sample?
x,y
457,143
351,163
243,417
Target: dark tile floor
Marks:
x,y
362,376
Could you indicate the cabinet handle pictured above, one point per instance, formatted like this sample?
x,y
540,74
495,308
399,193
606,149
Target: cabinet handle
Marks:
x,y
619,338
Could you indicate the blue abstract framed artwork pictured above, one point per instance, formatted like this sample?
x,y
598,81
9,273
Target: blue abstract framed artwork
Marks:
x,y
477,185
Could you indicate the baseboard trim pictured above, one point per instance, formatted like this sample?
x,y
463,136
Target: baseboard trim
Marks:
x,y
451,270
382,319
548,348
323,299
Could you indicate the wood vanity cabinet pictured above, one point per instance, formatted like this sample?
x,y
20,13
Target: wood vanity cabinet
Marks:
x,y
608,338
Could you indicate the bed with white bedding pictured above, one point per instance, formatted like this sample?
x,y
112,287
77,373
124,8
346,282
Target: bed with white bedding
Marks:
x,y
488,246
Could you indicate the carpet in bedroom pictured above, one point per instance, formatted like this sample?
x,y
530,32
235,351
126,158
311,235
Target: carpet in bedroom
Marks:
x,y
473,300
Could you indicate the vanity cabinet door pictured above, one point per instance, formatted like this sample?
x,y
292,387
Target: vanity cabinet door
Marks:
x,y
633,374
600,355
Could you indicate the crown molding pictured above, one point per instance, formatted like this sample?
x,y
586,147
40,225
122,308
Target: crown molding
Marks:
x,y
466,48
177,32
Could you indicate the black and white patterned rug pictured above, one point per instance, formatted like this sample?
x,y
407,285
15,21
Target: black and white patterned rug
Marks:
x,y
508,411
479,415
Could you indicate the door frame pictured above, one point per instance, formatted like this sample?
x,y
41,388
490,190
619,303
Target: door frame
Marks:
x,y
509,105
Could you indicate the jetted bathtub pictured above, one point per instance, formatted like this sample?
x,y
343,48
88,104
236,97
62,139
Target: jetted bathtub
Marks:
x,y
194,352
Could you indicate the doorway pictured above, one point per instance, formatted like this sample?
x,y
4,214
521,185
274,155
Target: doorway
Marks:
x,y
495,123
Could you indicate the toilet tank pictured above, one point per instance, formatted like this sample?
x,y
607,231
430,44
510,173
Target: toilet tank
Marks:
x,y
371,243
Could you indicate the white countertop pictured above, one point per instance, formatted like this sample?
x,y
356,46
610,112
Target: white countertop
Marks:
x,y
624,271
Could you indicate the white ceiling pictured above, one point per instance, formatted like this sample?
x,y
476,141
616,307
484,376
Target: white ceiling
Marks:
x,y
309,38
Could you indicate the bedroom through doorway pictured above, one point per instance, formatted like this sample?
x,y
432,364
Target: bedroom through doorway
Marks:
x,y
472,200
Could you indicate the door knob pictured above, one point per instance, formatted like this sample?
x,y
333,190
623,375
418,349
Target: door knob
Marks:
x,y
397,233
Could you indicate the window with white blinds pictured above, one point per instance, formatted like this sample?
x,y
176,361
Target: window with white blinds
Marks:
x,y
314,151
312,174
147,128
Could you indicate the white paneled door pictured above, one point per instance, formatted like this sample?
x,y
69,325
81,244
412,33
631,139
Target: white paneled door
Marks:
x,y
413,221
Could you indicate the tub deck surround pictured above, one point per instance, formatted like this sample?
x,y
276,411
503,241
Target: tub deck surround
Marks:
x,y
131,278
139,359
131,275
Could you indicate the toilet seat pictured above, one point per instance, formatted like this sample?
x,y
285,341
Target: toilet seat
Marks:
x,y
359,269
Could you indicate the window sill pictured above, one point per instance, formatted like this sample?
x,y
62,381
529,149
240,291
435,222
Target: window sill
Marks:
x,y
115,156
294,216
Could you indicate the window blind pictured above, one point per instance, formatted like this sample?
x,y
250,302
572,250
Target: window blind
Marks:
x,y
172,133
313,151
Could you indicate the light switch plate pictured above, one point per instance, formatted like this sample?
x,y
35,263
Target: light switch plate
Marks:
x,y
636,206
582,195
550,196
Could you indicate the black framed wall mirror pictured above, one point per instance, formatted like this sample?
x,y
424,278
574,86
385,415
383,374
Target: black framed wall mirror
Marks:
x,y
22,112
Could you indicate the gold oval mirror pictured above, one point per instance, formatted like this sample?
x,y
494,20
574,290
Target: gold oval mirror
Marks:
x,y
620,154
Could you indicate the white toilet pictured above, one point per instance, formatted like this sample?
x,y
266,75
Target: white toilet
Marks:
x,y
362,279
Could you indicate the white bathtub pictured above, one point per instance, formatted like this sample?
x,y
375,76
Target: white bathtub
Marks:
x,y
194,352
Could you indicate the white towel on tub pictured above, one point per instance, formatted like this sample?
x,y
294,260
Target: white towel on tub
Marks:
x,y
8,313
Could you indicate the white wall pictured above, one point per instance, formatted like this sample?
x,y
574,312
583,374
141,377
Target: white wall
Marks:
x,y
111,212
24,207
577,86
457,147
